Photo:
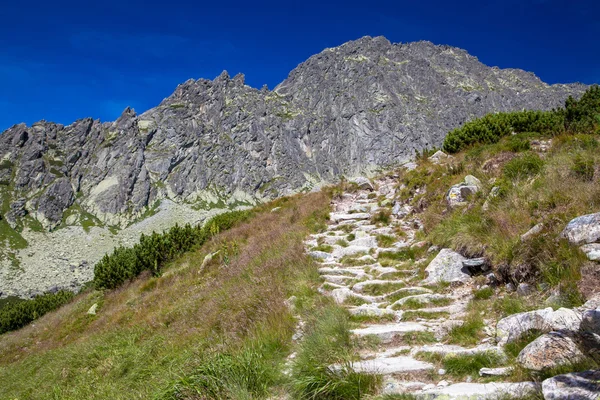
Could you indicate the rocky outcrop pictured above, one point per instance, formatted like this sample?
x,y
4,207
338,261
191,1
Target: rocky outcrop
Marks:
x,y
350,109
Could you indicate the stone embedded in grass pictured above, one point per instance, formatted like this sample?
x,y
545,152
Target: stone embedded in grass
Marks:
x,y
340,252
582,230
501,371
592,251
550,350
421,301
578,385
447,267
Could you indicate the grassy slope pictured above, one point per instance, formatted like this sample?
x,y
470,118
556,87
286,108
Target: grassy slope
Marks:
x,y
552,192
149,336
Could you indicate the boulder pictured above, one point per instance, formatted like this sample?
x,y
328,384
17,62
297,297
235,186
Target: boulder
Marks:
x,y
525,289
584,229
549,351
447,266
574,386
545,320
459,194
363,183
514,326
470,180
438,157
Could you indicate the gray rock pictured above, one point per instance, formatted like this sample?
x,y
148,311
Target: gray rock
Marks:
x,y
470,180
447,266
536,230
476,265
584,229
525,289
459,194
574,386
503,371
319,255
438,157
363,183
514,326
592,251
549,351
341,112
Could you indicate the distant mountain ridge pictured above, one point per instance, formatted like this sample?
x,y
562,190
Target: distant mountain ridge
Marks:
x,y
351,109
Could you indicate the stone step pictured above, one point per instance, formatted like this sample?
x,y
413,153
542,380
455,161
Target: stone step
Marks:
x,y
356,272
388,332
391,365
423,299
372,310
337,217
481,391
360,286
447,349
338,279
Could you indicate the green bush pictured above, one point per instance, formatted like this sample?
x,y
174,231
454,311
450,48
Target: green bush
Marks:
x,y
492,127
581,116
17,314
584,115
154,250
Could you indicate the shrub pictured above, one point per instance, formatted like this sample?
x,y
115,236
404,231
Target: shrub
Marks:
x,y
17,314
154,250
584,115
521,167
492,127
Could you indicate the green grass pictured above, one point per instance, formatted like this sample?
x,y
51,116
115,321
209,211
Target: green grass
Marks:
x,y
419,338
342,243
323,247
328,342
462,365
385,240
354,301
483,294
379,289
413,315
382,217
513,348
415,304
361,319
468,333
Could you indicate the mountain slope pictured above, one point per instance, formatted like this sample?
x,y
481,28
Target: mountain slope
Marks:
x,y
352,109
365,104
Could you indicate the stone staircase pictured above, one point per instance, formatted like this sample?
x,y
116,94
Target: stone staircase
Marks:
x,y
402,316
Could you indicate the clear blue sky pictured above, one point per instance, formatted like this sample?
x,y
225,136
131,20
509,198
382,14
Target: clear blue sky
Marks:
x,y
64,60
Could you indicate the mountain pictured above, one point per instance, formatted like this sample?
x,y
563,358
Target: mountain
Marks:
x,y
352,109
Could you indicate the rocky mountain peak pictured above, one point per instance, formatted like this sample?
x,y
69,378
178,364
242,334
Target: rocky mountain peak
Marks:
x,y
350,109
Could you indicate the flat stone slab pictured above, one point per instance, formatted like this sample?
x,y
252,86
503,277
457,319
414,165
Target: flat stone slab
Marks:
x,y
341,271
387,332
391,365
446,349
337,217
360,286
340,252
480,391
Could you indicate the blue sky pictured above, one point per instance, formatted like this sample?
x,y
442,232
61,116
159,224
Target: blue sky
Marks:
x,y
65,60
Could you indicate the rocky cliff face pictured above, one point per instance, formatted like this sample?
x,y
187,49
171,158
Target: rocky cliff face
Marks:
x,y
363,105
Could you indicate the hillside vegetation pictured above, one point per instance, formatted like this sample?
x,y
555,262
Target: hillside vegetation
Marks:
x,y
214,312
